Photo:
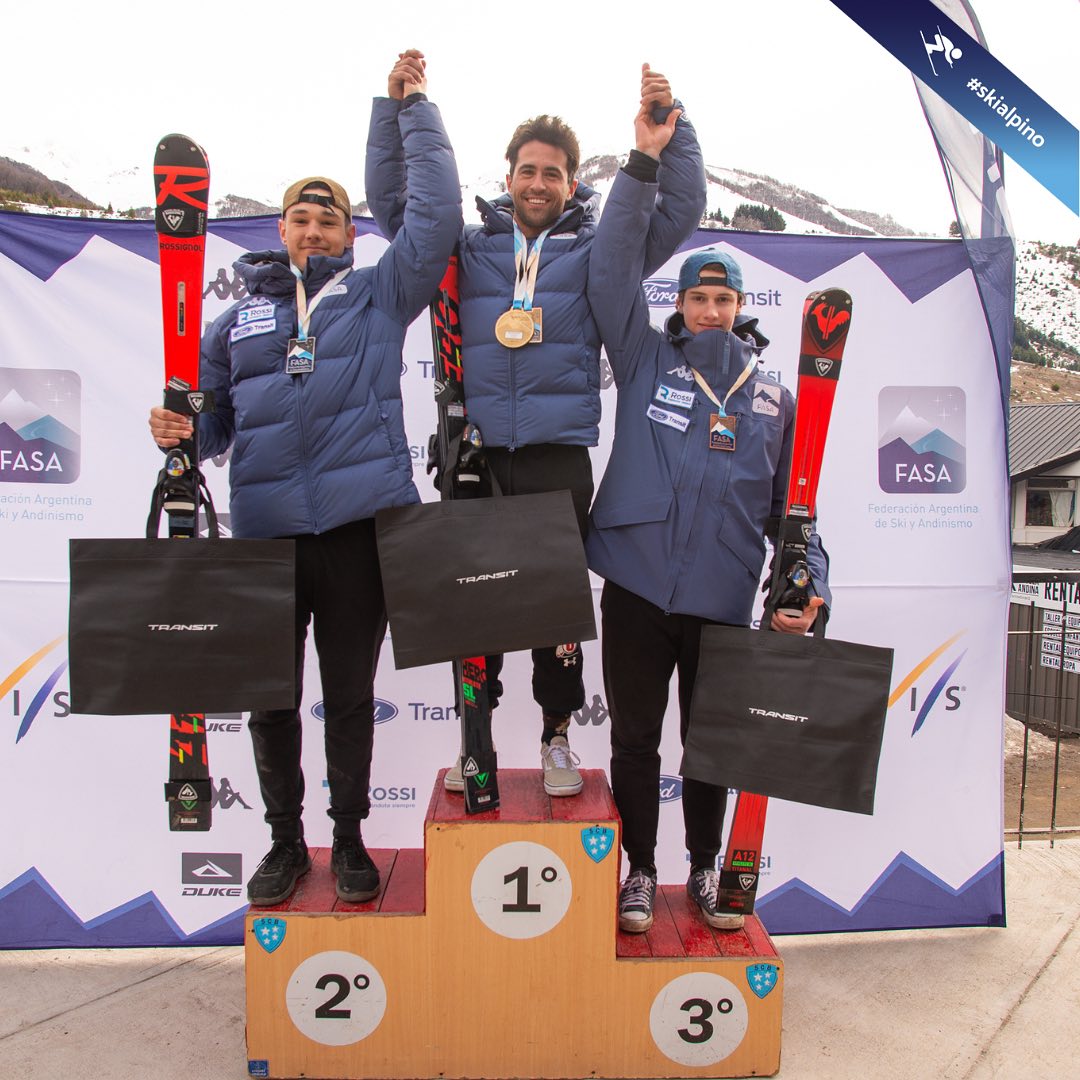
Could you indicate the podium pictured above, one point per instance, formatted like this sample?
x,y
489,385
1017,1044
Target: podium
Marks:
x,y
494,952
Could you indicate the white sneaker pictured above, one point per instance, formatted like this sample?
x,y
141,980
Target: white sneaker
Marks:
x,y
560,768
701,888
636,898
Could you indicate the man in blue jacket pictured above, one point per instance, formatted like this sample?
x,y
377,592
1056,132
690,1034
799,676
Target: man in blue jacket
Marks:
x,y
306,376
535,396
698,466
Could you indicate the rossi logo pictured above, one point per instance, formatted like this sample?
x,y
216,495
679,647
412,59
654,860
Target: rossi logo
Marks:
x,y
670,788
921,448
39,426
211,873
384,711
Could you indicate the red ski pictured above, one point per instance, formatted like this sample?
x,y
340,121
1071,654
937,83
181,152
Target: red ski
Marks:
x,y
826,320
455,454
182,186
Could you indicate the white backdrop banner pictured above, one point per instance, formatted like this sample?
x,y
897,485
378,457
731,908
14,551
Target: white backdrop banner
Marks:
x,y
912,509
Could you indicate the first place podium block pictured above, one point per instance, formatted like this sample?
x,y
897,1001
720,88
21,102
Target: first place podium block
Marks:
x,y
495,952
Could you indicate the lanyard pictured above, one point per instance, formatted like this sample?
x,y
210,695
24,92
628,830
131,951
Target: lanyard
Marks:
x,y
700,380
526,267
304,310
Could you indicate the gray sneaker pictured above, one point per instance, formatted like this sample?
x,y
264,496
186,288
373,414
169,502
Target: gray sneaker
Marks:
x,y
636,898
701,888
453,780
560,767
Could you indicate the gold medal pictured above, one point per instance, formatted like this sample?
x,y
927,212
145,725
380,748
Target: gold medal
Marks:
x,y
514,328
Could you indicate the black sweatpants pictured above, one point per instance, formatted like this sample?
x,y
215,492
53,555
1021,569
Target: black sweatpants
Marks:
x,y
641,648
339,588
557,684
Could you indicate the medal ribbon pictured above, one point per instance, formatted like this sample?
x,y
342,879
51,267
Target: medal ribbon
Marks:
x,y
700,380
526,267
304,311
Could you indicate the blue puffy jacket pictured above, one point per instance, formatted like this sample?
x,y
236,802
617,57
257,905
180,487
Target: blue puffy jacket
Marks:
x,y
549,392
312,452
675,521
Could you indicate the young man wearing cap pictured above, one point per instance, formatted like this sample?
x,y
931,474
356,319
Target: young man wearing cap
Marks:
x,y
698,465
306,376
535,394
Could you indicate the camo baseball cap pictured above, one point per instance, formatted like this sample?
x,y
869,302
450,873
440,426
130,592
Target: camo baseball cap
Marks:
x,y
338,196
690,271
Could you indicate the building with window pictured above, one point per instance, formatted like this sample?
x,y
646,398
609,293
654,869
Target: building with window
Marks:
x,y
1044,470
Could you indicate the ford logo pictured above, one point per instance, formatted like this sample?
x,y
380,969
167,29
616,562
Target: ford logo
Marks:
x,y
670,788
660,292
384,711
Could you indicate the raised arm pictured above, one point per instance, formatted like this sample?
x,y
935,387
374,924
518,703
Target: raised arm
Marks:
x,y
430,220
384,164
680,198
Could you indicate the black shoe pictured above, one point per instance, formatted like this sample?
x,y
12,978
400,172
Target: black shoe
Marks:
x,y
701,887
357,878
276,876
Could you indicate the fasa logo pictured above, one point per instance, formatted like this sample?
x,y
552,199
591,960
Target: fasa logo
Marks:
x,y
384,711
670,788
921,440
660,292
941,663
40,694
39,427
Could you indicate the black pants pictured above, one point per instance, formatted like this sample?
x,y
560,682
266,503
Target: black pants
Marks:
x,y
641,649
338,585
558,684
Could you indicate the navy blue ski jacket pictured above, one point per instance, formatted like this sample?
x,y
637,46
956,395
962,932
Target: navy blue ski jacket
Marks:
x,y
315,451
675,521
548,392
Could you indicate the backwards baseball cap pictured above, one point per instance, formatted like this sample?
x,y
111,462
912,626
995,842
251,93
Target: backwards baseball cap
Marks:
x,y
337,197
690,272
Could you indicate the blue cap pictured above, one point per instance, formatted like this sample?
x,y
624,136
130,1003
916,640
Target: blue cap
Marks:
x,y
690,272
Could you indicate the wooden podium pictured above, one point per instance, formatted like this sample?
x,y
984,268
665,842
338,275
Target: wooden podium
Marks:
x,y
494,952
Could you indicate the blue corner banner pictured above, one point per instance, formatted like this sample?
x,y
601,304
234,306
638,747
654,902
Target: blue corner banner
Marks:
x,y
985,92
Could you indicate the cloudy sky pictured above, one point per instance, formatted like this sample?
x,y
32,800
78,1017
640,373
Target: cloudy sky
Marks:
x,y
789,88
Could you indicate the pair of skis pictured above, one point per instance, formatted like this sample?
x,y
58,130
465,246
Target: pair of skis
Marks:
x,y
826,320
182,188
455,454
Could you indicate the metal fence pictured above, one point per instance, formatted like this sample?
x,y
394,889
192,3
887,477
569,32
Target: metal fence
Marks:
x,y
1042,691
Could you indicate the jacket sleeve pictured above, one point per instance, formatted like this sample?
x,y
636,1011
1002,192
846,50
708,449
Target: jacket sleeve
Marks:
x,y
615,273
408,273
384,167
680,201
216,429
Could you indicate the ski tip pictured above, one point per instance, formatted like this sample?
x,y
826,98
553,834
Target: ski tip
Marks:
x,y
177,144
826,320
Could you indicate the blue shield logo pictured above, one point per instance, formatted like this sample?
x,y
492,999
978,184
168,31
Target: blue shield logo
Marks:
x,y
269,932
597,842
762,978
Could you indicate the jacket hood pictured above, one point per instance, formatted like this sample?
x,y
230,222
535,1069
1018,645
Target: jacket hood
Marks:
x,y
269,272
583,208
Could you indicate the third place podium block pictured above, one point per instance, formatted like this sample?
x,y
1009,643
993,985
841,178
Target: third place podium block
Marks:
x,y
494,952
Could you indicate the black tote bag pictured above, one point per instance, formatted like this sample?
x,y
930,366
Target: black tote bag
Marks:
x,y
475,577
171,626
791,717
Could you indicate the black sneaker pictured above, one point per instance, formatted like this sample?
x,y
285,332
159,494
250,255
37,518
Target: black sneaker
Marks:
x,y
701,888
636,898
276,876
357,878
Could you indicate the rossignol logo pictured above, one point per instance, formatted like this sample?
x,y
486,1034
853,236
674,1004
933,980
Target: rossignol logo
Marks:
x,y
496,575
176,245
183,626
921,440
772,714
173,218
39,432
